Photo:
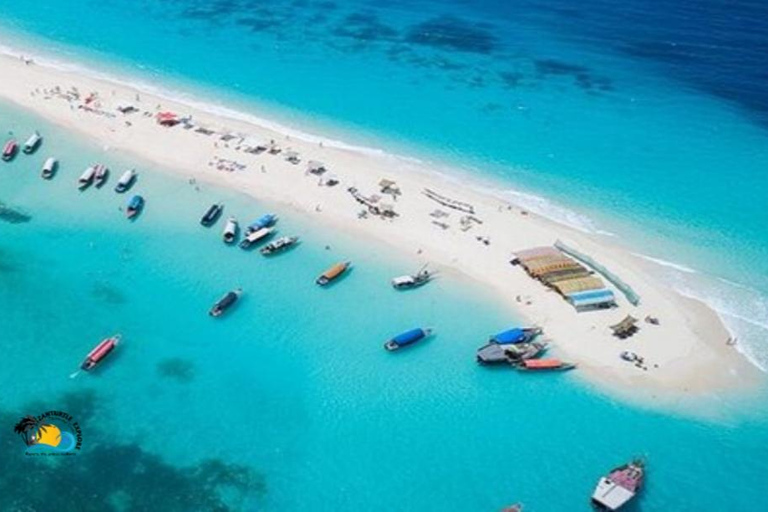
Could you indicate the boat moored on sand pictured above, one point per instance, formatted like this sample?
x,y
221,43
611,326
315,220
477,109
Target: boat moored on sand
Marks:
x,y
33,142
544,365
407,338
10,149
333,273
420,278
99,353
212,214
620,486
49,168
135,205
229,235
279,245
126,181
226,302
493,353
254,237
100,175
516,335
265,221
85,179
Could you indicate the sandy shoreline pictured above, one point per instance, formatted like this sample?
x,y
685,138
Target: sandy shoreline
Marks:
x,y
688,347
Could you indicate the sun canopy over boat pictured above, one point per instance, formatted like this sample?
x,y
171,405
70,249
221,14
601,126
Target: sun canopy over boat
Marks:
x,y
407,338
516,335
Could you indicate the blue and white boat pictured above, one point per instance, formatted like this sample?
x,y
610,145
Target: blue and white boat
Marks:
x,y
407,338
516,335
135,205
265,221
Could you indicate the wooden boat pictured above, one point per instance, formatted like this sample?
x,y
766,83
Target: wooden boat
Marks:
x,y
100,175
10,149
212,214
49,168
126,181
265,221
420,278
493,353
255,237
620,486
281,244
226,302
99,353
86,178
135,205
544,365
33,142
516,507
407,338
230,231
516,335
333,273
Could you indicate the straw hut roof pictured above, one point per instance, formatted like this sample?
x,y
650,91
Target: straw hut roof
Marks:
x,y
580,284
536,252
562,275
627,327
386,183
553,266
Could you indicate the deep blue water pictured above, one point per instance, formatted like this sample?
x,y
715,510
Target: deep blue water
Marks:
x,y
646,118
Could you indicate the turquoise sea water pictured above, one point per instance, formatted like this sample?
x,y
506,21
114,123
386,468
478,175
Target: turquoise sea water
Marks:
x,y
293,390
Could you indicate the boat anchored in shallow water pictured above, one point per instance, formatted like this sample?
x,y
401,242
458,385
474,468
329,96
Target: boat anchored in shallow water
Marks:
x,y
407,338
620,486
229,235
333,273
265,221
420,278
516,335
135,205
100,175
85,179
493,353
33,142
279,245
49,168
10,149
544,365
212,214
99,353
226,302
126,181
254,237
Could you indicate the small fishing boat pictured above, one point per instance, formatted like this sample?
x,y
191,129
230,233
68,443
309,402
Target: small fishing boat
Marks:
x,y
333,273
281,244
86,178
135,205
100,175
212,214
126,181
230,231
10,149
33,142
262,222
407,338
516,335
517,507
620,486
99,353
544,365
422,277
49,168
254,237
493,353
226,302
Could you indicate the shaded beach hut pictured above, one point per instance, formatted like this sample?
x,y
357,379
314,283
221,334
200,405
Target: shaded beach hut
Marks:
x,y
626,328
316,167
551,266
592,299
534,253
563,275
292,157
580,284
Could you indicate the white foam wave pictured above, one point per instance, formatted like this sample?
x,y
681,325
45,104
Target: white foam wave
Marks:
x,y
552,211
665,263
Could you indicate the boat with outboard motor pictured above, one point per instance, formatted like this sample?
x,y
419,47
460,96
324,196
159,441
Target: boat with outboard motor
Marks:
x,y
620,486
226,302
49,168
516,335
254,237
265,221
229,235
420,278
135,205
99,353
494,353
10,149
333,273
212,214
407,338
33,142
100,175
279,245
544,365
126,181
85,179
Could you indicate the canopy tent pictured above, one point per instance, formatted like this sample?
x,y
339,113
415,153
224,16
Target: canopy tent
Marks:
x,y
536,252
316,167
626,328
562,275
592,299
552,266
167,118
580,284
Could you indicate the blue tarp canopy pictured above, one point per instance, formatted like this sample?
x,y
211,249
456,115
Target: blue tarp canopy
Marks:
x,y
409,336
592,298
515,335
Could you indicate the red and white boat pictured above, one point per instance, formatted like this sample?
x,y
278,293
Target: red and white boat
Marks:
x,y
620,486
100,175
10,149
100,352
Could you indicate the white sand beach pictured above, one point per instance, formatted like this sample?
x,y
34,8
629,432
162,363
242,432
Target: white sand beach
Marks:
x,y
686,354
